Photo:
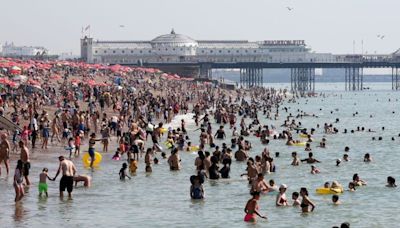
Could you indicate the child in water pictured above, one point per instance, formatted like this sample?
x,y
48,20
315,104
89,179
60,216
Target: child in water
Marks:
x,y
296,200
391,182
352,187
133,166
314,170
335,200
116,156
122,172
43,176
71,146
196,189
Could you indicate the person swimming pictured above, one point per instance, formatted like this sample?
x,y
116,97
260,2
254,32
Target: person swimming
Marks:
x,y
335,200
391,182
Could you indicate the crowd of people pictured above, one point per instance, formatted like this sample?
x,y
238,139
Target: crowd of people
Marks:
x,y
88,105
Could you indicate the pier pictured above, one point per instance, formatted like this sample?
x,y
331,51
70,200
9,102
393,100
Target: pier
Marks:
x,y
177,53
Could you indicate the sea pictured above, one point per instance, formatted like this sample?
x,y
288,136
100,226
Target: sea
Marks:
x,y
161,198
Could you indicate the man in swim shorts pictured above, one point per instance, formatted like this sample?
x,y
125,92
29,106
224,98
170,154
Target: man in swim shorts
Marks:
x,y
68,170
26,162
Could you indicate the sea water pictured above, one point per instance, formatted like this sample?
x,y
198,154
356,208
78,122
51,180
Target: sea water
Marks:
x,y
161,199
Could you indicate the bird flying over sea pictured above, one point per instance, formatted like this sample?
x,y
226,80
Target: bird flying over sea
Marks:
x,y
289,8
380,36
122,26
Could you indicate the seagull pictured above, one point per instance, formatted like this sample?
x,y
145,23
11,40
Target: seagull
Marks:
x,y
380,36
289,8
121,26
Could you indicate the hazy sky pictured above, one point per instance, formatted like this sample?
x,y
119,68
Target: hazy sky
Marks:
x,y
326,25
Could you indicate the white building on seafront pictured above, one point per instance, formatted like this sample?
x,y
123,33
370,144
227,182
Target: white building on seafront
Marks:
x,y
11,50
177,48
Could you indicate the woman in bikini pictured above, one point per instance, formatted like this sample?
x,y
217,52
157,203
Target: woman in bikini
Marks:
x,y
306,202
281,199
252,209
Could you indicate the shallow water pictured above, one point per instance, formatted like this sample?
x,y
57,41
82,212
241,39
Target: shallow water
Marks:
x,y
162,199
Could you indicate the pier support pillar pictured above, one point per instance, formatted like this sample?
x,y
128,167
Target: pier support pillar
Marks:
x,y
395,78
354,78
302,80
251,77
205,71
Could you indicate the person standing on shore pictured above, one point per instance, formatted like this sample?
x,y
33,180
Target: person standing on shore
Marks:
x,y
68,170
5,152
26,162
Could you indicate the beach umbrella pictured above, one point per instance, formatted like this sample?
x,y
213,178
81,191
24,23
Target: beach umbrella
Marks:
x,y
15,70
33,82
55,77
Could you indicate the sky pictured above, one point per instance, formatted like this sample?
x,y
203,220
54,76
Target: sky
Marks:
x,y
334,26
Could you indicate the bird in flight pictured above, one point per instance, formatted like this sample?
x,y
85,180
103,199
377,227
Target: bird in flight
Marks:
x,y
121,26
380,36
289,8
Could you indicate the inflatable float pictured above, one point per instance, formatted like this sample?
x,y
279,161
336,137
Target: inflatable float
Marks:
x,y
97,159
326,191
299,144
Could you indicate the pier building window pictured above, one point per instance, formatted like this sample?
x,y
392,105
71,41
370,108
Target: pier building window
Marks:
x,y
105,52
220,51
114,52
131,51
123,51
149,51
95,52
140,52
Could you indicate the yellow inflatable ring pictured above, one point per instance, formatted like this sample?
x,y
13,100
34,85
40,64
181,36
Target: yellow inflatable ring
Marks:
x,y
326,191
168,144
97,159
194,148
300,144
303,136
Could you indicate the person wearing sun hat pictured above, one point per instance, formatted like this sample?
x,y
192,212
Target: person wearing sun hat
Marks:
x,y
281,199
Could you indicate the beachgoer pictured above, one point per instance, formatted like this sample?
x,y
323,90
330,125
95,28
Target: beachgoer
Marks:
x,y
122,172
43,176
281,199
18,181
252,209
25,156
306,202
68,170
5,152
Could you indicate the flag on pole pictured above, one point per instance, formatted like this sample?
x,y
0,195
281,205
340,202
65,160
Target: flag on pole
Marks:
x,y
87,27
